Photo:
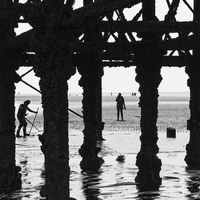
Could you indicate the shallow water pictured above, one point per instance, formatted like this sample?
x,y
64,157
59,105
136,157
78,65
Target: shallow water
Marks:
x,y
115,180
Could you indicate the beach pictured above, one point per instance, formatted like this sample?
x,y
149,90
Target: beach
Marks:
x,y
115,180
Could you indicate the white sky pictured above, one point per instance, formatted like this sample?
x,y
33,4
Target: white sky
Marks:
x,y
122,79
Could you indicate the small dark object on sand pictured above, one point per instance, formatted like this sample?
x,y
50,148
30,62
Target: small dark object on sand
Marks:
x,y
120,158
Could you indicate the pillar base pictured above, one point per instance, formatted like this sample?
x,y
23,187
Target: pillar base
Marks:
x,y
44,194
147,179
147,187
89,153
91,164
149,167
193,155
10,179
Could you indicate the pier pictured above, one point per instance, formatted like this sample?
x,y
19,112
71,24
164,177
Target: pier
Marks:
x,y
64,40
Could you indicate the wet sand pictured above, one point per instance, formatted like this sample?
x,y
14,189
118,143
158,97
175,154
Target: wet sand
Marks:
x,y
115,180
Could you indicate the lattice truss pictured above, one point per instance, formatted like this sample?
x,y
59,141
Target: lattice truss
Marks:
x,y
123,29
117,28
171,23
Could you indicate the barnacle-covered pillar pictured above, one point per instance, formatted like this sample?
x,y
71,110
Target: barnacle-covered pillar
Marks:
x,y
53,67
149,63
149,78
100,124
192,69
9,172
54,73
89,71
193,125
55,144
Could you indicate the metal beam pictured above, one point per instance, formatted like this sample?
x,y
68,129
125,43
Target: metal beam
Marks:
x,y
168,61
97,9
128,60
142,26
179,43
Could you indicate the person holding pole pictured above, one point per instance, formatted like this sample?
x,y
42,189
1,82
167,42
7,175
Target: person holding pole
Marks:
x,y
21,117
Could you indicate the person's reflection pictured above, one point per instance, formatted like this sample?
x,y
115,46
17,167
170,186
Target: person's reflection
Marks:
x,y
23,165
90,181
148,191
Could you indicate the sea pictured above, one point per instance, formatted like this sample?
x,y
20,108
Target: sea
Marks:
x,y
115,180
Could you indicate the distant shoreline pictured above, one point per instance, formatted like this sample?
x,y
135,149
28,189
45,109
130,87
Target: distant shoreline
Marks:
x,y
116,93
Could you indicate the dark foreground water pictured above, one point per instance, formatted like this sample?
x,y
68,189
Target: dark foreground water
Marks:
x,y
115,180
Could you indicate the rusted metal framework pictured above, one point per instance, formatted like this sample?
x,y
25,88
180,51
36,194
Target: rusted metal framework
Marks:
x,y
89,38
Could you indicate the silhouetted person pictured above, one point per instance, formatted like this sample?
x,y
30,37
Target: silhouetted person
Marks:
x,y
120,106
21,117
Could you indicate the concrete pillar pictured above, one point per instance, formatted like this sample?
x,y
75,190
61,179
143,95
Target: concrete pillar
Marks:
x,y
193,147
149,63
54,140
100,124
52,66
149,78
90,70
89,81
9,172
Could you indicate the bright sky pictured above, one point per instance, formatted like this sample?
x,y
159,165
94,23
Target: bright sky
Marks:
x,y
122,79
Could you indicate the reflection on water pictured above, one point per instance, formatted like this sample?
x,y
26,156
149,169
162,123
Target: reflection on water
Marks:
x,y
112,183
115,180
31,160
89,185
193,184
148,191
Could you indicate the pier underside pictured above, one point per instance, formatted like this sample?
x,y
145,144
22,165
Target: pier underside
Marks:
x,y
99,34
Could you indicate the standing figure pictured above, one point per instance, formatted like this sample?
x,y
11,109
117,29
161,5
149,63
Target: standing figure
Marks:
x,y
21,117
120,106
